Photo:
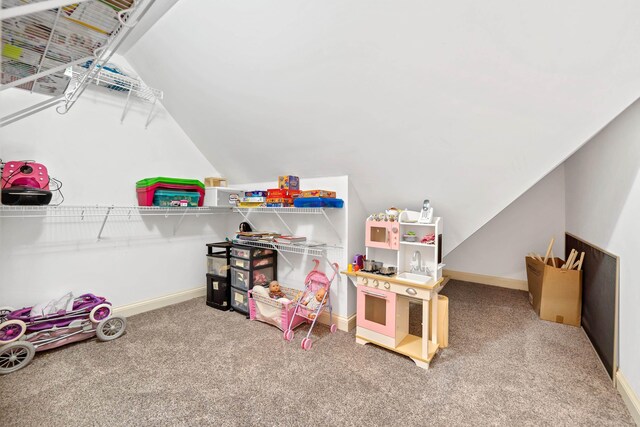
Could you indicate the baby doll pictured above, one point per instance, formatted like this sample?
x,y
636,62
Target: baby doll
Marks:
x,y
313,303
274,290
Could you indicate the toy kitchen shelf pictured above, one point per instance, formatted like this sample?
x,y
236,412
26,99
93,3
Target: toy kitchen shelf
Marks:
x,y
42,38
277,211
106,212
385,242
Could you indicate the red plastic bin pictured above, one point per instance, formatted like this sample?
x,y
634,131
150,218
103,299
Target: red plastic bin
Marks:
x,y
145,194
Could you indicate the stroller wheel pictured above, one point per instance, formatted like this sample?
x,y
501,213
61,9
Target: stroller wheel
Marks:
x,y
15,355
333,328
111,328
11,331
4,311
100,312
306,344
288,335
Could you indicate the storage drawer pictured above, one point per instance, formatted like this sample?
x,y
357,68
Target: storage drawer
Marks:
x,y
248,253
239,300
243,279
217,265
246,264
218,291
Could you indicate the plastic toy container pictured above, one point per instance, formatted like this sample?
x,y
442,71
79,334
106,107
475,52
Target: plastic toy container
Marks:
x,y
317,202
182,182
248,253
218,292
146,194
244,279
239,301
246,264
217,265
171,198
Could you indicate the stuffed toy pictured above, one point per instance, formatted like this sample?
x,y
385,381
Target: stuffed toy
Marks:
x,y
274,290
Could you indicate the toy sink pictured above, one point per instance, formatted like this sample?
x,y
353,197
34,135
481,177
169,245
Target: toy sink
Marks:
x,y
418,279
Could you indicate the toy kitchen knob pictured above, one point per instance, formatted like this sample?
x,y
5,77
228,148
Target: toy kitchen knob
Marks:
x,y
376,283
387,285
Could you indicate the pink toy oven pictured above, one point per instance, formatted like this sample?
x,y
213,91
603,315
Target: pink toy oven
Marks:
x,y
25,174
383,234
377,310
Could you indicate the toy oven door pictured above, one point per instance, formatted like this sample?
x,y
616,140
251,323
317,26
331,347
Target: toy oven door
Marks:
x,y
377,310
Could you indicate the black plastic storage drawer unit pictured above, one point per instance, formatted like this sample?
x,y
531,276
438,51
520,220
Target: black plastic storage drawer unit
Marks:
x,y
219,275
250,266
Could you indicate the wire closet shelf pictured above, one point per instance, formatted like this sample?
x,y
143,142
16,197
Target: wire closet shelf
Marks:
x,y
81,212
43,38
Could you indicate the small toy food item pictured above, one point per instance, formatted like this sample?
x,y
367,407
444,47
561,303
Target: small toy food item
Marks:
x,y
274,290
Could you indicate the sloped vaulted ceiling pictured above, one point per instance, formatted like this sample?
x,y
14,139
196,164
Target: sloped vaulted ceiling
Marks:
x,y
467,103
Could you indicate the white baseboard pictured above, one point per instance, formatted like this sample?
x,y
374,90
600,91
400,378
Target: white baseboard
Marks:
x,y
629,396
163,301
501,282
344,323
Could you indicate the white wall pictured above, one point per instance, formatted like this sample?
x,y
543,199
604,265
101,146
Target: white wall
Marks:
x,y
526,225
603,207
466,103
99,160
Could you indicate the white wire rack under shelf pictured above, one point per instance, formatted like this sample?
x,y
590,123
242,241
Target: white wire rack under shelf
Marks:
x,y
106,212
122,83
291,248
245,212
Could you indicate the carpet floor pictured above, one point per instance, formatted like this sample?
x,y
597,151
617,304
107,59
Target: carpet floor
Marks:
x,y
190,365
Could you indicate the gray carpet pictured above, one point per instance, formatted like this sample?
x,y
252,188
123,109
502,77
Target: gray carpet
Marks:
x,y
190,365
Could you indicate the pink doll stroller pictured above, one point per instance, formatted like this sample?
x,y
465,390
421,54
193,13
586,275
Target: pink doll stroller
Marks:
x,y
315,299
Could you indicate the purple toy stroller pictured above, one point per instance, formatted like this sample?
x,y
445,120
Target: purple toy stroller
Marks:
x,y
22,334
315,299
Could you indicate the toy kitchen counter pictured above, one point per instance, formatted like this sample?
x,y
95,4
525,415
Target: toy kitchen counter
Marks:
x,y
383,313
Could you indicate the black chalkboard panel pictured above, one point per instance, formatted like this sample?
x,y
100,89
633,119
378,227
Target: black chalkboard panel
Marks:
x,y
599,299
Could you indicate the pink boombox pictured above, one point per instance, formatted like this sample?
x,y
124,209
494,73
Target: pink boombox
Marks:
x,y
25,183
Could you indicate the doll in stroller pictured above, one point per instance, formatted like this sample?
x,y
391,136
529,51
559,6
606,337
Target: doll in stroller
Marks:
x,y
22,334
314,300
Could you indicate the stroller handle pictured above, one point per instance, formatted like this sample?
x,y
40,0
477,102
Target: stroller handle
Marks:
x,y
335,266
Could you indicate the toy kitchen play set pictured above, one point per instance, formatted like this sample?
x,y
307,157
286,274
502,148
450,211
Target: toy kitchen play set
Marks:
x,y
410,243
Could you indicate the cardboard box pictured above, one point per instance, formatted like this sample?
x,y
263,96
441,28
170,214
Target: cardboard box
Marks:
x,y
282,193
555,294
215,182
289,182
319,193
280,200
